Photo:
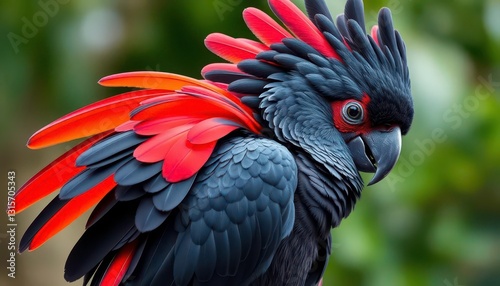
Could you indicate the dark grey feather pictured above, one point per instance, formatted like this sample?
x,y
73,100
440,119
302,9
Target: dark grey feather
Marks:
x,y
128,193
342,25
135,172
147,216
112,159
102,208
354,10
258,68
205,271
327,25
156,184
248,86
45,215
88,179
317,7
172,195
99,240
299,48
109,147
251,101
225,76
186,255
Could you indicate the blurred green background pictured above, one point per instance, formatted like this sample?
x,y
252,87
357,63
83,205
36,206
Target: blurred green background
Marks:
x,y
434,221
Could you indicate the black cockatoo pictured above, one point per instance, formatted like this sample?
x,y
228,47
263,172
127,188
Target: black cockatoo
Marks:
x,y
238,178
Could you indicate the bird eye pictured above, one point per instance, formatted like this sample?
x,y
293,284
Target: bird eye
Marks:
x,y
353,113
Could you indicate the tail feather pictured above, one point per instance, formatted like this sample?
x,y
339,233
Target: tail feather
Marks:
x,y
100,242
69,212
119,265
54,175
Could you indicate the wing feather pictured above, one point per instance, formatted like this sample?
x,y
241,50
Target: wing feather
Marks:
x,y
71,211
53,176
184,159
92,119
119,266
211,130
154,80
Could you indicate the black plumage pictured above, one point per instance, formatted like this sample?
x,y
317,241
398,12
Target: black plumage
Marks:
x,y
108,232
260,209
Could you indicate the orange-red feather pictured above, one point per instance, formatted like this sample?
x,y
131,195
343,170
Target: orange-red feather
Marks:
x,y
220,66
92,119
119,266
71,211
153,80
156,147
264,27
301,26
53,176
211,130
184,159
231,49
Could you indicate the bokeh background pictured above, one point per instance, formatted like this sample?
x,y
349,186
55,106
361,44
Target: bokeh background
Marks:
x,y
434,221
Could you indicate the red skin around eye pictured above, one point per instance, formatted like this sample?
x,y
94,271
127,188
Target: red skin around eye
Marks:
x,y
346,127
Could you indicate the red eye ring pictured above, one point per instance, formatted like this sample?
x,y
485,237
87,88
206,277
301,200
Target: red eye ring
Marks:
x,y
353,113
347,120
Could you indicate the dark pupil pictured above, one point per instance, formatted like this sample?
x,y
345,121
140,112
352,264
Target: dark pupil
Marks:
x,y
353,112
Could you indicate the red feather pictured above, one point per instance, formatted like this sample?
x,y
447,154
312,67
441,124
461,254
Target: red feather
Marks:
x,y
127,126
230,49
156,147
156,80
264,27
225,97
185,106
223,86
92,119
157,126
53,176
301,26
231,103
220,66
184,159
71,211
211,130
374,33
119,266
256,44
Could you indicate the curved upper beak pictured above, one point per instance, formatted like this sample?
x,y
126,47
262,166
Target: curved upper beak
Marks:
x,y
376,152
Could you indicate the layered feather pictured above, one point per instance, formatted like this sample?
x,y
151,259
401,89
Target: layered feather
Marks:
x,y
148,145
176,124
